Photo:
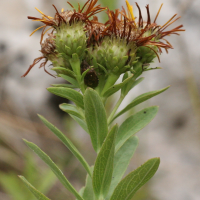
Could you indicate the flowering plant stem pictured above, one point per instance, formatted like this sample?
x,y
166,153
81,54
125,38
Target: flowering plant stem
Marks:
x,y
110,118
114,146
91,56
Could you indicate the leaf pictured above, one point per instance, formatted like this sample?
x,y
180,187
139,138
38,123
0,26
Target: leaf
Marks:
x,y
103,167
149,95
139,100
133,124
11,184
62,70
95,116
67,143
88,193
126,88
132,182
64,85
71,109
70,79
80,122
68,93
75,64
54,168
121,161
35,192
116,87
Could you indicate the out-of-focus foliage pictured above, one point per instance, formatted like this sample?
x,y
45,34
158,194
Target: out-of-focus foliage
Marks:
x,y
12,184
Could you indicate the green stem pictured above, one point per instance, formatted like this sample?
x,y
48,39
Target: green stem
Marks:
x,y
115,109
76,67
112,78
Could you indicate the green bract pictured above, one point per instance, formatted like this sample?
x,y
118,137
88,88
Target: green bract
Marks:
x,y
114,54
71,39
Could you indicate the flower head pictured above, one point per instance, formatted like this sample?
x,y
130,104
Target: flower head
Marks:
x,y
123,24
102,51
61,19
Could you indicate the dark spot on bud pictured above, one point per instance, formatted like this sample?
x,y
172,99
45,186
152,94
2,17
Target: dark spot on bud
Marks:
x,y
145,112
91,78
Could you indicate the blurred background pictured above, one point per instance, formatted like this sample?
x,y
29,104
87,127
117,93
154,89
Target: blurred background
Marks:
x,y
174,135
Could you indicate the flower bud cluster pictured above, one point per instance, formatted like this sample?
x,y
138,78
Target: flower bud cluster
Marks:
x,y
109,49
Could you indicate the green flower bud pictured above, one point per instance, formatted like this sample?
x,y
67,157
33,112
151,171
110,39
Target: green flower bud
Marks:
x,y
114,54
145,54
71,39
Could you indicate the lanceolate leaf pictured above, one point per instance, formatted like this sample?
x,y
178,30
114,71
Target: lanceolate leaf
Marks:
x,y
62,70
75,64
130,85
103,167
134,124
132,182
64,85
116,87
70,79
121,161
68,93
88,193
81,122
67,143
139,100
71,109
35,192
95,116
54,168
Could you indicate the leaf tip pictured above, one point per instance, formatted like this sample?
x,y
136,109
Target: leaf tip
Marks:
x,y
40,116
25,140
49,88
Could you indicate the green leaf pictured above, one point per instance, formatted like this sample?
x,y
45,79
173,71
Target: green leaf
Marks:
x,y
132,182
35,192
71,109
103,167
139,100
126,88
54,168
68,93
64,85
75,64
11,184
133,124
62,70
116,87
121,161
95,116
81,122
88,193
67,143
70,79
